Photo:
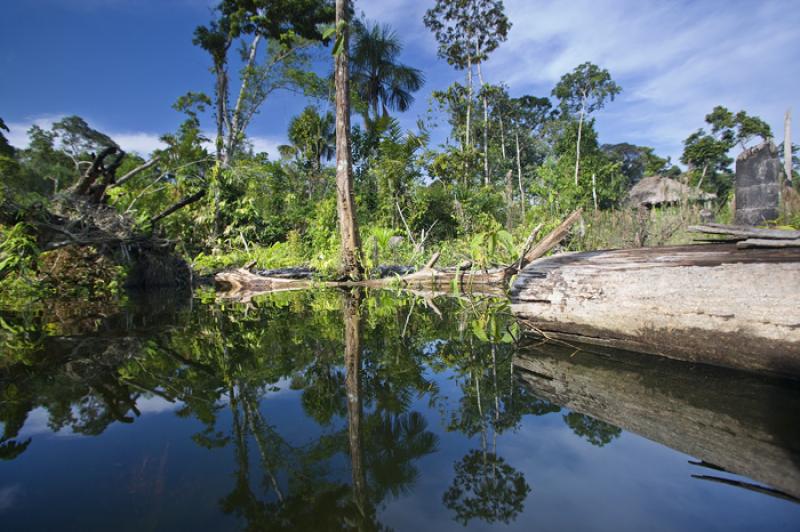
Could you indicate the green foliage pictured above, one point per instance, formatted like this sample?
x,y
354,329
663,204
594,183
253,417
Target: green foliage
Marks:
x,y
19,264
585,90
379,79
467,31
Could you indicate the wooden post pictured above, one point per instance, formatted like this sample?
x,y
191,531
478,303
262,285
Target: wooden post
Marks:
x,y
787,146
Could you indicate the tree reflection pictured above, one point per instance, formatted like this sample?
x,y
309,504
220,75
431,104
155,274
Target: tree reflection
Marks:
x,y
595,431
359,364
487,488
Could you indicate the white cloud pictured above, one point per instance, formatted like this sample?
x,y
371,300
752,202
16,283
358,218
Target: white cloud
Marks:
x,y
139,142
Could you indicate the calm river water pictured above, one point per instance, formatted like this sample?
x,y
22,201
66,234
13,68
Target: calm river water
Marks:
x,y
329,411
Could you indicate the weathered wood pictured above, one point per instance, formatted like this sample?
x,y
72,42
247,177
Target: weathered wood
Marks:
x,y
767,243
710,303
742,423
745,231
552,239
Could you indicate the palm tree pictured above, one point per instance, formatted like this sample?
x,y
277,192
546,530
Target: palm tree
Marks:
x,y
379,80
312,137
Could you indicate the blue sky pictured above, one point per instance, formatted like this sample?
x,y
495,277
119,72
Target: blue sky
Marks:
x,y
122,63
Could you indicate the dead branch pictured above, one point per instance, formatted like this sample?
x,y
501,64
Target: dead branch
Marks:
x,y
177,206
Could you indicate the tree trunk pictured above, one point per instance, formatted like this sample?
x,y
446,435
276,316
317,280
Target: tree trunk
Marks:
x,y
578,146
345,203
234,133
221,90
469,100
787,146
519,175
485,128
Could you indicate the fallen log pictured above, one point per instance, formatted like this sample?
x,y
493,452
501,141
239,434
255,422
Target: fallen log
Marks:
x,y
712,303
747,429
242,283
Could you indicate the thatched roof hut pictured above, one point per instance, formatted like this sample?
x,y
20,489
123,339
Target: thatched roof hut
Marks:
x,y
659,190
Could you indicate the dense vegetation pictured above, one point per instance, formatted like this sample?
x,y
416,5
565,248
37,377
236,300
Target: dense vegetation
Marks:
x,y
508,162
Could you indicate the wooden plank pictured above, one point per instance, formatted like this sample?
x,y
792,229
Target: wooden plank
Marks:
x,y
766,243
744,231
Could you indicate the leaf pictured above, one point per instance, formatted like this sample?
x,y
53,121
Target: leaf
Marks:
x,y
477,329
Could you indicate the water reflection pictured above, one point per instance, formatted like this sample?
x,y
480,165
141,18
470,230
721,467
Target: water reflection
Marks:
x,y
380,380
734,422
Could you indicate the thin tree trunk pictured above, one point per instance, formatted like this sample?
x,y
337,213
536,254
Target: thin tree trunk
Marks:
x,y
234,134
469,100
345,203
222,97
485,128
594,190
519,175
578,147
787,145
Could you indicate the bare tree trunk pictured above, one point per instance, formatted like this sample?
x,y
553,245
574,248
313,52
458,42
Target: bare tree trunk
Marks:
x,y
519,175
469,99
594,190
578,147
485,128
345,203
234,133
787,145
222,111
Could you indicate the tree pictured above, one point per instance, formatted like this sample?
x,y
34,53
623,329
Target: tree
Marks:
x,y
345,202
313,138
637,162
380,81
467,32
584,91
708,152
287,26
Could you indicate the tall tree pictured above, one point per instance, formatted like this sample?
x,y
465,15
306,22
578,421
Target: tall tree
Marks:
x,y
286,25
583,91
467,32
380,80
345,202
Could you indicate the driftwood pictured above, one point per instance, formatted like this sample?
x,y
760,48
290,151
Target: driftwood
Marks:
x,y
710,303
241,283
732,421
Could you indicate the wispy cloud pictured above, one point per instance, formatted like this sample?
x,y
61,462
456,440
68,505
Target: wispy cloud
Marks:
x,y
675,60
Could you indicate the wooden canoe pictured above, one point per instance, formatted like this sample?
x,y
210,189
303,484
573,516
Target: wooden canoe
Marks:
x,y
711,303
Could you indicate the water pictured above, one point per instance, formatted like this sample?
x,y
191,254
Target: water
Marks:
x,y
326,411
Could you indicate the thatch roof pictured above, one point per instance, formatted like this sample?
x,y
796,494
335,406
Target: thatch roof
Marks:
x,y
659,190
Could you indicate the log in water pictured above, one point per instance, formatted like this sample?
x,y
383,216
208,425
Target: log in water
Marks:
x,y
713,303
